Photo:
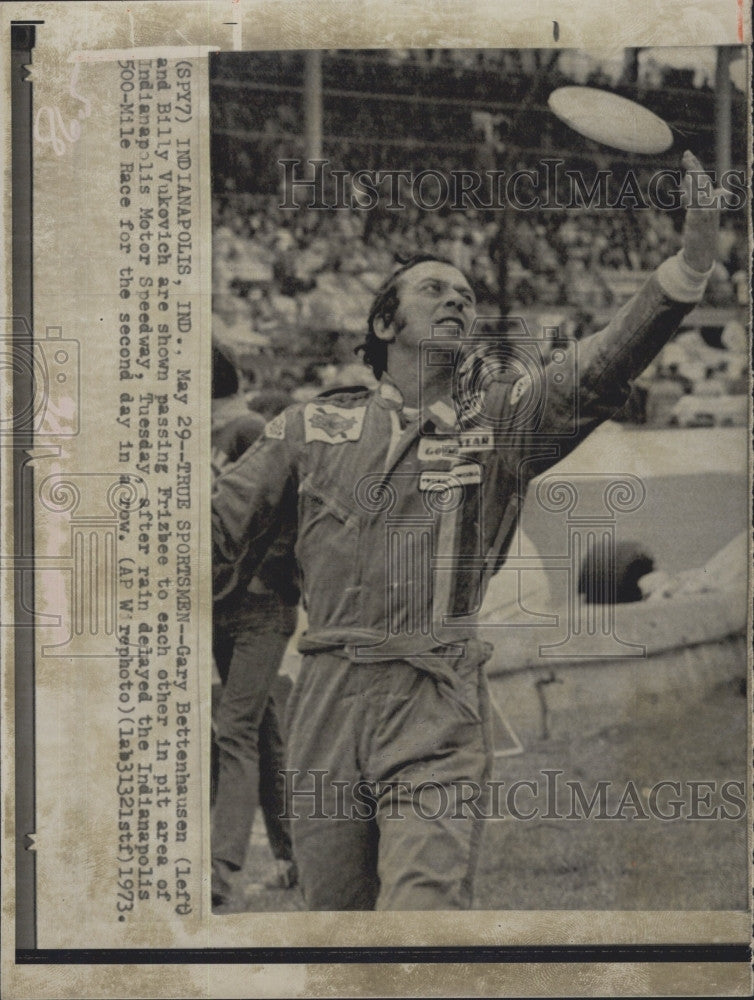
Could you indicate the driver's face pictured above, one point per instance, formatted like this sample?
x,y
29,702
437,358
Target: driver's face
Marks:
x,y
432,294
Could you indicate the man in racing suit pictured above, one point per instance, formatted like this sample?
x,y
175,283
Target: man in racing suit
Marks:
x,y
406,498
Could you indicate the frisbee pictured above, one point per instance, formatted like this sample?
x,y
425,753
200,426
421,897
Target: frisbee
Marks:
x,y
610,119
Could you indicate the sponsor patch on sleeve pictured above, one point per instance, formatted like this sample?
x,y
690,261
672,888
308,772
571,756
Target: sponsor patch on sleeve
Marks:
x,y
520,389
332,424
275,429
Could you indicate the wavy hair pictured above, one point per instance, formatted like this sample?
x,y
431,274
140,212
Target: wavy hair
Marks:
x,y
374,350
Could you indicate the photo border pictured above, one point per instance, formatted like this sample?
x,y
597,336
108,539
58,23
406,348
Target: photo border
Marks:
x,y
27,954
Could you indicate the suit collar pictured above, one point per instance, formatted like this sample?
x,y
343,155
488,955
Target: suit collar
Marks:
x,y
443,414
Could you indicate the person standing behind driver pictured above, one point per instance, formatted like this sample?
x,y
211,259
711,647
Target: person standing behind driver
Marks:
x,y
252,623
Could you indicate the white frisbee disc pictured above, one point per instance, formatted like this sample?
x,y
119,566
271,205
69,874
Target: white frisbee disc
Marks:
x,y
611,119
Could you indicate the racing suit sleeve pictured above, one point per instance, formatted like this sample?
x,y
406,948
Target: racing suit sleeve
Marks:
x,y
279,570
608,361
581,386
585,383
251,500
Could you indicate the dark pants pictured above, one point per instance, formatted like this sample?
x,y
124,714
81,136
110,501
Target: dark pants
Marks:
x,y
414,740
249,641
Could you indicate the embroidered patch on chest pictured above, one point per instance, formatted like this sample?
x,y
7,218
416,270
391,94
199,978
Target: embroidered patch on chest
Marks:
x,y
331,424
461,475
476,441
431,449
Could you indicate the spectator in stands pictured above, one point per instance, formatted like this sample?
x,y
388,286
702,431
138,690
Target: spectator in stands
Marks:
x,y
533,260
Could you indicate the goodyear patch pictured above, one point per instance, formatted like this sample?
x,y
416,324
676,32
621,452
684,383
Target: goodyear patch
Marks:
x,y
332,424
461,475
434,449
476,441
275,429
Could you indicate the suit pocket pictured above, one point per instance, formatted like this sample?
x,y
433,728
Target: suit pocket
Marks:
x,y
328,553
463,685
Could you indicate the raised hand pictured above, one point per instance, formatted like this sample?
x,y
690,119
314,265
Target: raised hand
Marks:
x,y
702,201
